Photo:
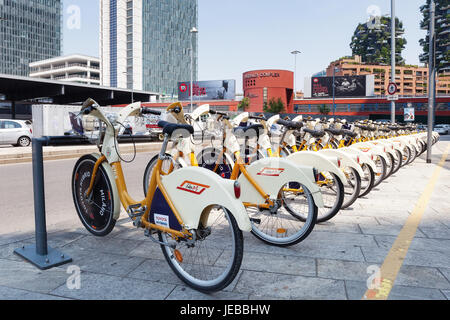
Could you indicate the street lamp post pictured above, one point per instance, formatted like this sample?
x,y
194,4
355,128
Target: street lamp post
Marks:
x,y
192,31
431,78
393,35
295,52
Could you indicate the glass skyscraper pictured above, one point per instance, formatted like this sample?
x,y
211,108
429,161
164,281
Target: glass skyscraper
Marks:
x,y
30,30
145,44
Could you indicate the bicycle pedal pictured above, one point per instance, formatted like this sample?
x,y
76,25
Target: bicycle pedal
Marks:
x,y
257,221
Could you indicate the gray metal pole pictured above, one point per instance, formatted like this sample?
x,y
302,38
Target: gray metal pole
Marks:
x,y
431,80
393,56
334,104
192,72
39,196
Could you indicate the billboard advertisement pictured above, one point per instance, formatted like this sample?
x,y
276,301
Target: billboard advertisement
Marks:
x,y
408,114
207,90
345,86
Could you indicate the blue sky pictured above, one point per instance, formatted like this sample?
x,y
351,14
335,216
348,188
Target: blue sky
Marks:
x,y
238,36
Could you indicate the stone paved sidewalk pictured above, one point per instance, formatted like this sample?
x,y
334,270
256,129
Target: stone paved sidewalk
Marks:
x,y
332,263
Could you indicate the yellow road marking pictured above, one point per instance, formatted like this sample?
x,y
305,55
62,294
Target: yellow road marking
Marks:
x,y
394,260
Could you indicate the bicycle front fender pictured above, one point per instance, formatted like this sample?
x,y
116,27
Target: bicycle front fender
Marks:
x,y
112,178
271,174
347,160
376,150
194,189
320,161
388,147
364,158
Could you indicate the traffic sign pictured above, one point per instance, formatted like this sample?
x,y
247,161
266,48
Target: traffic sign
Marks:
x,y
392,97
392,88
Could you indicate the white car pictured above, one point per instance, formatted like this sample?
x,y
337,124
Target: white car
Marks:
x,y
15,132
441,128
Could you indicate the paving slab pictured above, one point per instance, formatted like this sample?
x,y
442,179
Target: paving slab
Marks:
x,y
289,287
7,293
23,275
277,263
413,257
357,289
104,287
102,263
186,293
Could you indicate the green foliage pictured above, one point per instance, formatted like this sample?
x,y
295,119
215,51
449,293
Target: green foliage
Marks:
x,y
324,109
442,38
275,106
244,103
373,44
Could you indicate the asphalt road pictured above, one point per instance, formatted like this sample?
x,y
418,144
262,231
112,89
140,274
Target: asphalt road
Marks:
x,y
16,193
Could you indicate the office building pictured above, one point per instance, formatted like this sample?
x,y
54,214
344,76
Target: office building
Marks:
x,y
411,80
73,68
145,45
30,30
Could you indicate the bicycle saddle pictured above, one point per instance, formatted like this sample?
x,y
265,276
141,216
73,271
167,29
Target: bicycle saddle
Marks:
x,y
314,133
334,132
349,133
169,127
291,125
259,128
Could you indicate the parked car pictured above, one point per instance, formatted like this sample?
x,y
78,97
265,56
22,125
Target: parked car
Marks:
x,y
441,128
15,132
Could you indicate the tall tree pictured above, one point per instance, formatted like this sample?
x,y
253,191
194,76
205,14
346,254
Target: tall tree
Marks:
x,y
372,41
442,28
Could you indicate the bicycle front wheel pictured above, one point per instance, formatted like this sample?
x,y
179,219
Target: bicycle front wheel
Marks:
x,y
95,211
292,219
212,258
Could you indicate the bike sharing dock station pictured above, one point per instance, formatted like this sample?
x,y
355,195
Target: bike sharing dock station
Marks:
x,y
188,186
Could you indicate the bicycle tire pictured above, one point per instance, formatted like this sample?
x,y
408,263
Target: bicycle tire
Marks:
x,y
381,175
289,217
327,215
348,201
193,278
370,177
96,214
398,162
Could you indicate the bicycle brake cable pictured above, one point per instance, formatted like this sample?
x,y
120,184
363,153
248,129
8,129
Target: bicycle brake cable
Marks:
x,y
115,145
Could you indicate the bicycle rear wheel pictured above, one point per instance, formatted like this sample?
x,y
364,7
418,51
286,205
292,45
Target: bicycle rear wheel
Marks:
x,y
367,180
332,190
212,259
380,162
96,212
390,165
352,187
398,161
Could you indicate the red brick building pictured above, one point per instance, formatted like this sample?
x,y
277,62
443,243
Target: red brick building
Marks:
x,y
262,85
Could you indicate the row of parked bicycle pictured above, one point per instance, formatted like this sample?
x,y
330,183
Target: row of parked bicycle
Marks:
x,y
275,178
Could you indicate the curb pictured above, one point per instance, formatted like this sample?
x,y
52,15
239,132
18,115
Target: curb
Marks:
x,y
73,152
